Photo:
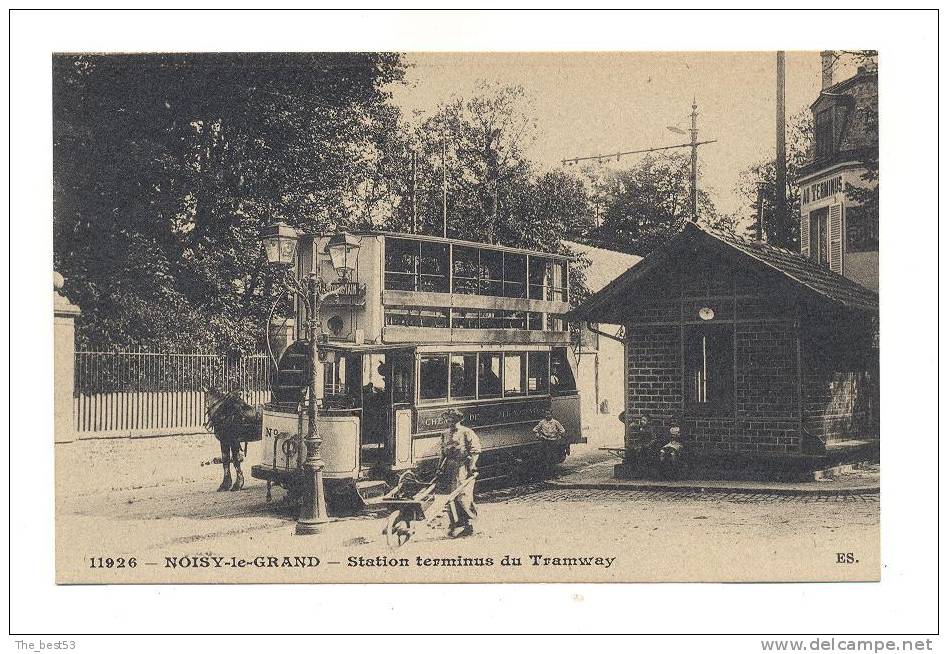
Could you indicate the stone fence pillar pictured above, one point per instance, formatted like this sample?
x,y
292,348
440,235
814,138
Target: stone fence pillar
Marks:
x,y
64,361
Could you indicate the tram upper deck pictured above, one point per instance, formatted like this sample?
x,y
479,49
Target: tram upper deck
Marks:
x,y
426,289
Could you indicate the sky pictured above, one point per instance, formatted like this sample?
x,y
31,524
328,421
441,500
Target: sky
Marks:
x,y
597,103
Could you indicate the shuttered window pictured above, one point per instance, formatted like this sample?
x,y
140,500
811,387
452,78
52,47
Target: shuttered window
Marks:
x,y
819,246
805,234
836,238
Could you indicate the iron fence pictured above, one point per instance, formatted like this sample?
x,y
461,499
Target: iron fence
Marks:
x,y
142,393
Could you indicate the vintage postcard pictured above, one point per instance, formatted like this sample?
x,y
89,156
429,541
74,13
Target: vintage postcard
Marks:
x,y
381,317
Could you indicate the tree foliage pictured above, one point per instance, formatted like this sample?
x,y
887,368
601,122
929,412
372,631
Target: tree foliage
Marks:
x,y
167,166
644,205
762,175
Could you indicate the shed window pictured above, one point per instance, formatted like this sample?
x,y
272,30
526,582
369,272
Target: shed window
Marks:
x,y
709,368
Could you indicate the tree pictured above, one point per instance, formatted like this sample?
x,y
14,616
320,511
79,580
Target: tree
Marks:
x,y
763,174
167,166
495,194
481,140
648,203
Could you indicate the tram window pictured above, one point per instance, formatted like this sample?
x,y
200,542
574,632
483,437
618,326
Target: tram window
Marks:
x,y
515,275
461,319
555,323
558,283
561,375
465,270
342,381
403,375
433,378
398,317
433,318
513,319
538,275
401,264
415,317
433,268
489,374
534,321
334,374
491,272
463,376
538,373
515,373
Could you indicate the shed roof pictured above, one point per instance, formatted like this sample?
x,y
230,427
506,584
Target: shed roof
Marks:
x,y
811,279
604,265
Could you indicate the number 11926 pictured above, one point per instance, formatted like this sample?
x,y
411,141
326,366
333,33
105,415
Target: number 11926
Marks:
x,y
110,562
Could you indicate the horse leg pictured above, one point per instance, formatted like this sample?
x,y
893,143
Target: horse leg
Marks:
x,y
236,456
225,461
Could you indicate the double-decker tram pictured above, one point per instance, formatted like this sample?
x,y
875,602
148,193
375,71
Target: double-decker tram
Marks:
x,y
424,324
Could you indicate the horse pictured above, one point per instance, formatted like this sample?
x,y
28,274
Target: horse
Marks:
x,y
233,422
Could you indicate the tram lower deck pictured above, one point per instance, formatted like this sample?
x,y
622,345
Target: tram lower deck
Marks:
x,y
382,410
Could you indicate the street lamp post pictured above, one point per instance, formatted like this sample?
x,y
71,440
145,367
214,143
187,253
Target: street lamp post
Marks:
x,y
279,242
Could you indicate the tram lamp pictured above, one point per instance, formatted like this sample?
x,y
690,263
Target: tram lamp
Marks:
x,y
343,249
279,244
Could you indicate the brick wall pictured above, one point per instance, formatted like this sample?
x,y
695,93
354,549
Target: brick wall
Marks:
x,y
766,397
654,373
765,416
840,369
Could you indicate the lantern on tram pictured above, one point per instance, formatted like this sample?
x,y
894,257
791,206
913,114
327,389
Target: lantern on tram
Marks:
x,y
279,243
343,249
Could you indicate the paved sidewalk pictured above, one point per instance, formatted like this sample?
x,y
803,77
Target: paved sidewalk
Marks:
x,y
599,475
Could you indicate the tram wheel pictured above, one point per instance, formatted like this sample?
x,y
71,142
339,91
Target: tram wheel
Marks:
x,y
397,530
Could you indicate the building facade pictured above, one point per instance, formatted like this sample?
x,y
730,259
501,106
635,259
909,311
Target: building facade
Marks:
x,y
837,230
599,367
754,351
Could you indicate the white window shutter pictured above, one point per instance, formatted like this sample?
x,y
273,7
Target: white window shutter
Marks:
x,y
805,234
836,238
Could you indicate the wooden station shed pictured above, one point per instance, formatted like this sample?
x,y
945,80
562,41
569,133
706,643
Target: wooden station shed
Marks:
x,y
754,351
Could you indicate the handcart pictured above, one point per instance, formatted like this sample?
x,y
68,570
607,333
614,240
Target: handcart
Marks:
x,y
413,500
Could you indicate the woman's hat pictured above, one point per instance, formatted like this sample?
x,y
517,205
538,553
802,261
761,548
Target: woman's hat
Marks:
x,y
453,414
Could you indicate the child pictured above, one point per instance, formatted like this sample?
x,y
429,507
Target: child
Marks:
x,y
550,432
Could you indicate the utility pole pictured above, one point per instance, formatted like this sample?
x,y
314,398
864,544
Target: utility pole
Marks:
x,y
414,191
694,160
759,226
780,174
444,186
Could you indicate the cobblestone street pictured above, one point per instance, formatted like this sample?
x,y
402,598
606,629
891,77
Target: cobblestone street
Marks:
x,y
173,511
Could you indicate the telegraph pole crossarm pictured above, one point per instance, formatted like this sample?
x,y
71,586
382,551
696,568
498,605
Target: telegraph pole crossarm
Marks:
x,y
617,155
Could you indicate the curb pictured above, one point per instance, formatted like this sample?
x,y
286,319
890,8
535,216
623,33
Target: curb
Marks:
x,y
761,490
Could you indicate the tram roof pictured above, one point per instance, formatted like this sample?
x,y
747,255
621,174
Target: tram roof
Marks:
x,y
454,241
